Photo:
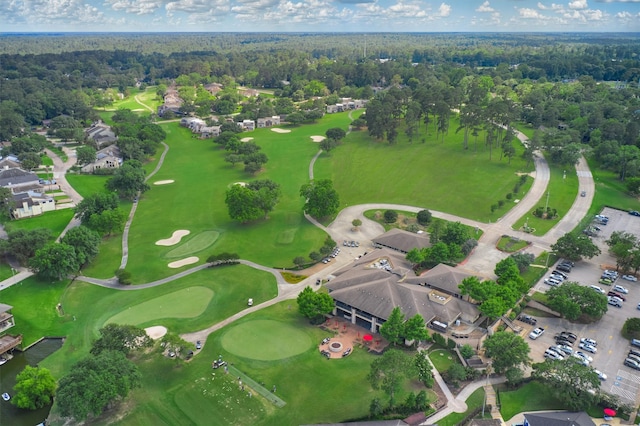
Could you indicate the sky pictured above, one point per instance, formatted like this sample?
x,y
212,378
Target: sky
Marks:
x,y
319,15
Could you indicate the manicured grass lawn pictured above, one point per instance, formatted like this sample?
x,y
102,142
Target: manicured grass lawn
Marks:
x,y
476,399
105,264
562,193
610,191
434,175
5,271
193,393
533,396
442,359
88,184
246,340
56,221
510,245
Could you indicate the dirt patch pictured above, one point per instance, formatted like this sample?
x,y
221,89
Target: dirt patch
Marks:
x,y
175,238
156,332
277,130
163,182
318,138
183,262
246,139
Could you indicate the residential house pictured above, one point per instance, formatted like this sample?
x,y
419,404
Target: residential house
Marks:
x,y
29,204
268,121
366,292
101,134
247,125
558,418
172,102
209,132
194,124
213,88
401,240
7,341
9,162
106,158
249,93
19,180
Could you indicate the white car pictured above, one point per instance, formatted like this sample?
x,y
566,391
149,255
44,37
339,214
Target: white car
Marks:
x,y
536,333
564,348
600,374
553,355
629,278
585,356
588,348
551,282
598,289
588,341
620,289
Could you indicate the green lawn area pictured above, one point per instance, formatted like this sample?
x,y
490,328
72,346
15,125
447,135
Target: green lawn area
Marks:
x,y
610,191
147,97
442,359
476,399
562,192
5,271
533,396
56,221
194,393
87,184
434,175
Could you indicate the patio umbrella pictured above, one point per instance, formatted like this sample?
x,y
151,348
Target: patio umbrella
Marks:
x,y
367,337
609,412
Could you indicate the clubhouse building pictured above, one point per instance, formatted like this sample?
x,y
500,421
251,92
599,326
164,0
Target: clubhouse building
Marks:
x,y
366,292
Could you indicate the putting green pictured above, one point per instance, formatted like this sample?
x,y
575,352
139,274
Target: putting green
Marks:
x,y
186,303
197,243
265,340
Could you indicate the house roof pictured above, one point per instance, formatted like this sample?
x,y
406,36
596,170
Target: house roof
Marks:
x,y
378,282
5,308
559,418
16,176
9,162
401,240
443,277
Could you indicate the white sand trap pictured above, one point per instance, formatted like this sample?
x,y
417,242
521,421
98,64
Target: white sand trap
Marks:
x,y
156,332
240,183
163,182
318,138
246,139
175,238
186,261
275,129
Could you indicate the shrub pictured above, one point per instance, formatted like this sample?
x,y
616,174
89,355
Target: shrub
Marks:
x,y
451,344
509,196
455,374
500,203
494,207
424,217
439,339
467,351
390,216
468,246
523,179
124,277
413,228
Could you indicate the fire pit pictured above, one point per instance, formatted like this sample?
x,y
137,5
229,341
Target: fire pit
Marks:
x,y
335,347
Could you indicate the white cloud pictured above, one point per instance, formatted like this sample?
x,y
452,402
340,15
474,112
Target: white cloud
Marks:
x,y
528,13
137,7
578,4
542,6
485,7
444,10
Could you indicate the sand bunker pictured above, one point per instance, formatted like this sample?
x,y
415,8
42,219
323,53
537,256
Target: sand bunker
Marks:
x,y
246,139
275,129
240,183
156,332
175,238
318,138
186,261
163,182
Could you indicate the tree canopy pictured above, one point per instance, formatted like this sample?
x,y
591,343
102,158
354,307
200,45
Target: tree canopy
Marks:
x,y
573,300
128,180
34,388
121,338
389,370
321,199
314,305
569,381
507,350
575,246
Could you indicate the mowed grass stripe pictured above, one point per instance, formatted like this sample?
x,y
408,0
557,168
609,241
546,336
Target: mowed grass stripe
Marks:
x,y
265,340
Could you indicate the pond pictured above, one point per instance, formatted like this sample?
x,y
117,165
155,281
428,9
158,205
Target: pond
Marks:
x,y
8,372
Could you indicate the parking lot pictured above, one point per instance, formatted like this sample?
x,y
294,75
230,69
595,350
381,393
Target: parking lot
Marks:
x,y
612,347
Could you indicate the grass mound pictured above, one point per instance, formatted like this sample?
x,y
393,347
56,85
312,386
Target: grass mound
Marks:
x,y
198,243
265,340
186,303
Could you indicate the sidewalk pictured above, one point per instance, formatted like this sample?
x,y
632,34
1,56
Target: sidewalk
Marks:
x,y
22,275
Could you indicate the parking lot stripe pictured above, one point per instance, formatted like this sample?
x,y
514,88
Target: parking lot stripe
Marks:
x,y
630,396
628,376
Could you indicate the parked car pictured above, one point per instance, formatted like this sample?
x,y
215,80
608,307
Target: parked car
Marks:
x,y
553,355
198,345
635,342
634,213
600,374
619,296
584,355
589,341
528,319
563,341
580,360
630,278
563,268
614,301
605,281
562,274
569,335
536,333
621,289
598,289
552,282
587,347
557,277
634,352
631,363
564,348
634,357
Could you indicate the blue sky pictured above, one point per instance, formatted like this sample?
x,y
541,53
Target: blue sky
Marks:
x,y
319,15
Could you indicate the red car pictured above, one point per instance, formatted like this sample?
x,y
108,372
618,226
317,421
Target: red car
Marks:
x,y
619,296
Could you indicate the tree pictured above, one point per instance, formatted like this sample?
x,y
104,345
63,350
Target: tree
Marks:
x,y
29,160
267,194
523,260
335,133
122,338
314,305
86,154
94,383
84,241
242,204
356,223
23,243
328,144
455,233
128,180
321,199
424,217
6,202
467,351
573,300
388,371
631,328
107,222
455,374
54,261
96,203
414,329
424,368
506,350
390,216
34,388
570,382
574,246
393,327
299,261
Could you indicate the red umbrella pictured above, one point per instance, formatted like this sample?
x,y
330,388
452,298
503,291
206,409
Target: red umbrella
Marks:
x,y
367,337
609,412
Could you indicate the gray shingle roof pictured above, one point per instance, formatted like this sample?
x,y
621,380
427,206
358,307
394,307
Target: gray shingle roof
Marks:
x,y
560,418
402,241
16,176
